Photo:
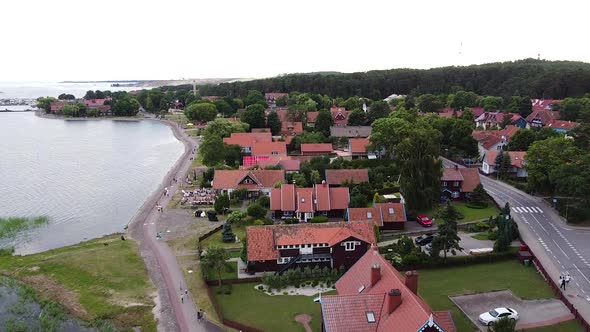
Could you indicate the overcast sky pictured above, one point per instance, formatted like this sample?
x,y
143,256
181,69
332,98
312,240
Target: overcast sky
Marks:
x,y
172,39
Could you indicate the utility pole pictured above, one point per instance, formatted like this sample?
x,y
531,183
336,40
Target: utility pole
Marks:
x,y
194,88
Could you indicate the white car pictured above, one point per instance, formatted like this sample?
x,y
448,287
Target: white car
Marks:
x,y
494,315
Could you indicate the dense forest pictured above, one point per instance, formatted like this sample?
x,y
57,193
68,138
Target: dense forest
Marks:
x,y
529,77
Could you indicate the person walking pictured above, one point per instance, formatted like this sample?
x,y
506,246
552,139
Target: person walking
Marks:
x,y
567,278
561,282
181,298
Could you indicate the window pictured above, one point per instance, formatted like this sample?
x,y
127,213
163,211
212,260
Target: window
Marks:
x,y
290,246
444,183
369,215
248,181
370,317
274,153
499,147
456,184
349,246
391,211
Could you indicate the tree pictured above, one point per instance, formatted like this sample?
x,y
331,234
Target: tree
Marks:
x,y
65,96
573,109
506,233
69,110
216,260
479,196
254,116
90,95
255,97
315,177
227,235
281,101
447,230
232,154
462,99
505,166
545,133
461,139
492,103
224,128
201,112
468,115
520,105
521,140
357,118
581,135
224,108
379,109
429,103
256,210
274,123
210,149
503,325
236,217
358,201
126,105
45,103
506,120
300,180
323,122
388,132
221,204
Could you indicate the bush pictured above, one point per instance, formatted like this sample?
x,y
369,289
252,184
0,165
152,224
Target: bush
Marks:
x,y
258,222
264,201
240,194
261,287
226,289
480,227
319,219
256,210
492,235
291,221
474,205
412,259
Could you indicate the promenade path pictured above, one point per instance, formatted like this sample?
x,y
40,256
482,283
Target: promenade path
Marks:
x,y
173,313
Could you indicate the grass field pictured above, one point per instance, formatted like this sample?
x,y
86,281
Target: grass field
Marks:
x,y
438,284
91,280
215,239
230,273
12,225
569,326
469,214
480,236
269,313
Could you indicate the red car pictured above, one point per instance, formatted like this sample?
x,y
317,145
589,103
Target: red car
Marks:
x,y
424,220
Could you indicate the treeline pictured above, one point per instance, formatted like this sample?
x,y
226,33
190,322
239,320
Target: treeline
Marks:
x,y
529,77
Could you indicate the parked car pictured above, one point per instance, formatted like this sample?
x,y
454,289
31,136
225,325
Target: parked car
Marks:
x,y
424,239
494,315
212,216
423,220
428,249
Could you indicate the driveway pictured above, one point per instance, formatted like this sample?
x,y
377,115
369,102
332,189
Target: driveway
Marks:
x,y
532,313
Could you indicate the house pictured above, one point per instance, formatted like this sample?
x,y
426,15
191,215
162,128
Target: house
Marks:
x,y
517,160
291,128
260,130
332,244
459,182
56,106
449,112
271,97
273,149
315,149
374,297
92,103
337,177
387,216
255,181
247,140
541,117
289,201
350,131
493,140
495,119
339,116
562,126
543,104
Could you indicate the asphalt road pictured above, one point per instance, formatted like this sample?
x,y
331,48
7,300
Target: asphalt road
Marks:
x,y
561,248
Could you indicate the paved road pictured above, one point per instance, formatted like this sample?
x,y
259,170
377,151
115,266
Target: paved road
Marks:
x,y
171,280
560,248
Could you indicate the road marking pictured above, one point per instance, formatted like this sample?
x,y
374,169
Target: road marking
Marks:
x,y
566,256
541,211
514,209
529,209
520,210
581,273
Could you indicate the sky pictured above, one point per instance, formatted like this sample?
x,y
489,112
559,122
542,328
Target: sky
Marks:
x,y
174,39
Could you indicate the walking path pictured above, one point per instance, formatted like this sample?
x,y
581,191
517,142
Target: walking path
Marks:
x,y
176,308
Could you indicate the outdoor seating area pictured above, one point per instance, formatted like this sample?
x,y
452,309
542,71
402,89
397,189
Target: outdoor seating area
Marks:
x,y
199,196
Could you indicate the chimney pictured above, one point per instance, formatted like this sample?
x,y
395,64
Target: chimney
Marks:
x,y
412,281
375,274
394,299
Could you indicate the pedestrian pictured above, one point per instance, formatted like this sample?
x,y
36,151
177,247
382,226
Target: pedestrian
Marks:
x,y
181,298
199,316
561,282
567,278
186,292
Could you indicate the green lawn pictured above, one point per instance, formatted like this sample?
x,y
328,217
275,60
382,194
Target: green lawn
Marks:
x,y
480,236
269,313
230,273
91,280
235,253
437,285
215,239
469,214
569,326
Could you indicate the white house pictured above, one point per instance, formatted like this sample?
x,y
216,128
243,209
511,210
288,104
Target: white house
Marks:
x,y
516,159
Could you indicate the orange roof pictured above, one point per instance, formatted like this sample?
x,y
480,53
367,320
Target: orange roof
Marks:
x,y
248,139
339,198
262,240
269,149
304,198
250,179
289,198
261,130
561,124
312,117
339,176
322,194
347,311
452,174
359,145
290,128
379,214
516,157
316,148
470,179
283,114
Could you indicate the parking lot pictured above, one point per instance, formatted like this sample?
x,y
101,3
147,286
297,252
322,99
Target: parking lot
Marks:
x,y
532,313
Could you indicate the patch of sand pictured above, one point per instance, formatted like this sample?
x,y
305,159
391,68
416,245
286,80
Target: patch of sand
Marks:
x,y
307,290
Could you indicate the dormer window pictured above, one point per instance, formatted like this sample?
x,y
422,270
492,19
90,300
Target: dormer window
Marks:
x,y
370,317
303,200
369,215
391,211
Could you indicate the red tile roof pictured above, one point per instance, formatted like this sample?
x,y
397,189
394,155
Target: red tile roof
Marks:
x,y
283,114
542,115
346,312
339,176
269,149
261,130
288,197
232,179
304,198
448,112
358,145
339,198
312,117
562,124
56,106
516,157
340,115
291,128
469,177
262,240
489,138
290,165
275,95
316,148
95,102
543,104
248,139
322,194
379,214
327,198
452,174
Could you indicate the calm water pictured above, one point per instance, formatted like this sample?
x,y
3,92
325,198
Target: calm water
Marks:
x,y
89,177
53,89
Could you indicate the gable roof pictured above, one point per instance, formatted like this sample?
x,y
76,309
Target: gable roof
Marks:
x,y
350,131
275,95
562,124
338,176
542,115
262,240
470,179
379,214
346,312
516,157
95,102
291,127
340,115
451,174
312,117
248,139
316,148
318,198
268,148
543,104
489,138
230,179
498,117
358,145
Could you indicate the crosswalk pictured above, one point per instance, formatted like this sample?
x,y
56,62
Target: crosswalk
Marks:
x,y
526,209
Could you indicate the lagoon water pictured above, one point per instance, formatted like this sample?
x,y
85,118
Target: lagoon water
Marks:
x,y
88,177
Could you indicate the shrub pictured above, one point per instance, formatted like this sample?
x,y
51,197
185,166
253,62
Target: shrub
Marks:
x,y
226,289
291,221
474,205
412,259
319,219
314,283
492,235
240,194
258,222
256,210
481,226
264,201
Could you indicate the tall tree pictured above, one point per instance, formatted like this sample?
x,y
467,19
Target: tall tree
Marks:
x,y
520,105
492,103
216,260
201,112
429,103
125,105
274,123
448,237
210,150
506,120
479,196
90,95
254,116
461,139
224,108
323,122
379,109
505,166
254,97
357,118
388,132
521,140
227,234
468,115
462,99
